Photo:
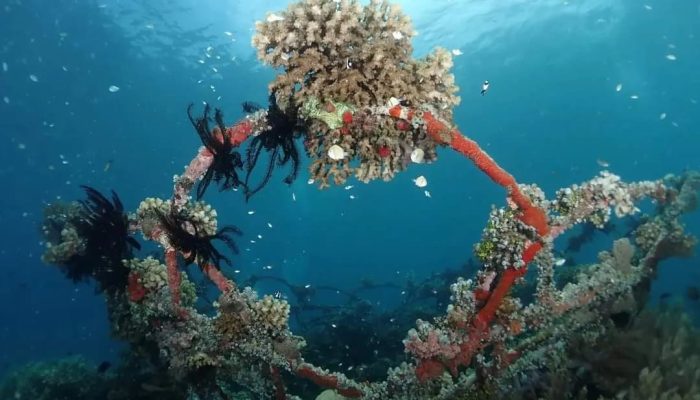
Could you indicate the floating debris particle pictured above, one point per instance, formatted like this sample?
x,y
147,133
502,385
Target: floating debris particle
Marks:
x,y
427,193
602,163
33,78
648,7
113,89
421,181
618,87
336,152
21,146
294,197
457,52
671,57
6,100
4,67
662,116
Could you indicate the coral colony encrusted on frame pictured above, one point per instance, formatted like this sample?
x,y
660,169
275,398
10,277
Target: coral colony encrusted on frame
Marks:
x,y
348,86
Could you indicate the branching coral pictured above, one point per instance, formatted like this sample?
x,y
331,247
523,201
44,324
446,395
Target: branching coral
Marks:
x,y
338,57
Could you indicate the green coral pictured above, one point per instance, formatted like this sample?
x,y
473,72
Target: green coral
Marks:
x,y
312,109
484,250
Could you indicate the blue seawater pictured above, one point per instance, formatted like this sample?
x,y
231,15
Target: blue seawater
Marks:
x,y
573,85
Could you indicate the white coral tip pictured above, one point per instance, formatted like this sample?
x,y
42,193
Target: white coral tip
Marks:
x,y
274,18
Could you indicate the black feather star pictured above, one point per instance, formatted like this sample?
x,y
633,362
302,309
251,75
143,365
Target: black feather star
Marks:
x,y
226,161
196,246
278,140
105,228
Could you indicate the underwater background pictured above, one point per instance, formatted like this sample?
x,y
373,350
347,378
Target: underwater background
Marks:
x,y
95,93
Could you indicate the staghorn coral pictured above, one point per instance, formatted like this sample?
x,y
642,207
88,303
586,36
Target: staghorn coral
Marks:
x,y
340,58
346,52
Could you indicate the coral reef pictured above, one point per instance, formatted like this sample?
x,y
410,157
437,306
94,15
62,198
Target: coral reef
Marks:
x,y
348,82
337,60
90,239
70,378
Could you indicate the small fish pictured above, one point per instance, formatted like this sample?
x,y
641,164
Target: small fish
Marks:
x,y
108,165
103,367
693,293
484,87
664,296
559,261
602,163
